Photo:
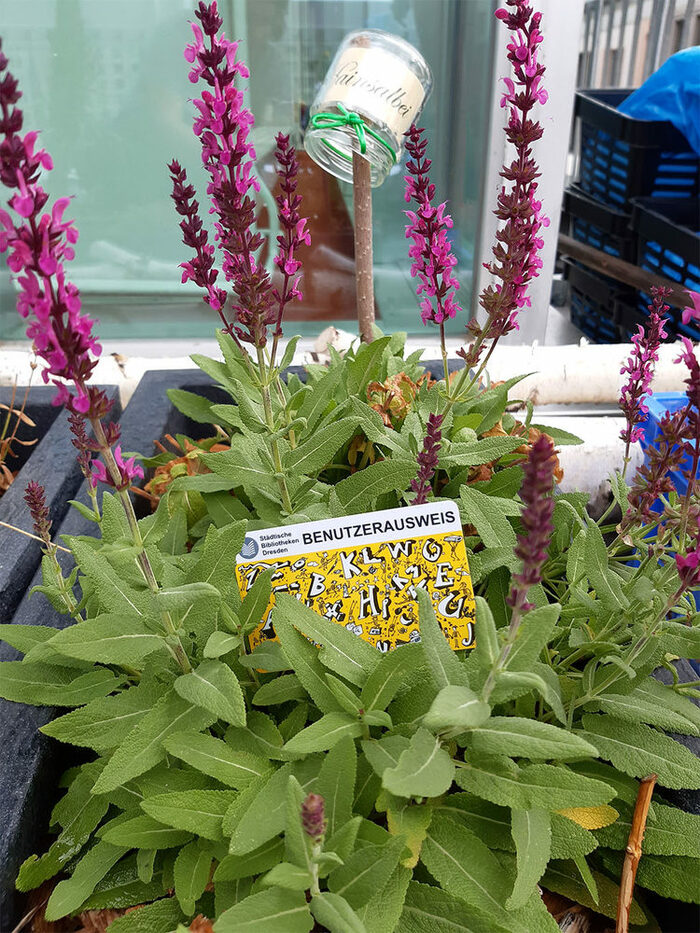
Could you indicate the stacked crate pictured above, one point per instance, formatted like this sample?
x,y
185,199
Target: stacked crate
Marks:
x,y
637,199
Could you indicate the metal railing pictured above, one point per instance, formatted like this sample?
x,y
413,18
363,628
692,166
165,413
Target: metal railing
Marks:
x,y
624,41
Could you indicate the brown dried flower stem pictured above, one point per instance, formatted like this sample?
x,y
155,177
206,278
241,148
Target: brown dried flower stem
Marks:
x,y
28,534
634,852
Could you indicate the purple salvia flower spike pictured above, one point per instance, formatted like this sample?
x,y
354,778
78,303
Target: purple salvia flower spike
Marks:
x,y
38,246
82,444
652,478
678,437
691,434
35,497
433,260
223,124
427,460
200,269
295,233
533,542
516,261
640,369
313,817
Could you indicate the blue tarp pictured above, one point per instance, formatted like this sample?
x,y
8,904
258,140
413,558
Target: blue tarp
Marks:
x,y
671,93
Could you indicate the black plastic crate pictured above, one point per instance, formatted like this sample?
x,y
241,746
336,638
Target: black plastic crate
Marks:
x,y
668,243
623,157
599,225
601,307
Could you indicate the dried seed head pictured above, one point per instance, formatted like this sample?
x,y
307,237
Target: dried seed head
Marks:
x,y
313,817
35,497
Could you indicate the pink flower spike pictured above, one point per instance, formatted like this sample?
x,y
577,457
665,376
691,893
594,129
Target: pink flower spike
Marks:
x,y
57,211
640,369
515,262
692,313
38,250
431,249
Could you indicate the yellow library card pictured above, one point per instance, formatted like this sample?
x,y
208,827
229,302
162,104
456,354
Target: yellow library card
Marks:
x,y
362,572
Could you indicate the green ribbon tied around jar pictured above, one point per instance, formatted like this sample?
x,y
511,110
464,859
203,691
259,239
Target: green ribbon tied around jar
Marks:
x,y
334,121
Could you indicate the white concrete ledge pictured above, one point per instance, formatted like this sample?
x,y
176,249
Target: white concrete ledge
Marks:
x,y
584,374
577,373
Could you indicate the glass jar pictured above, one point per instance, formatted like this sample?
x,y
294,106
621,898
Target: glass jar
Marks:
x,y
374,90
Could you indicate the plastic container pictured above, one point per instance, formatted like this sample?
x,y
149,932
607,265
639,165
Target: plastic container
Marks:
x,y
668,243
599,225
600,307
624,158
659,404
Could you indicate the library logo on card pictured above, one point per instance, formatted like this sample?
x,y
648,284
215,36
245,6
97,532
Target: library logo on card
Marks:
x,y
250,548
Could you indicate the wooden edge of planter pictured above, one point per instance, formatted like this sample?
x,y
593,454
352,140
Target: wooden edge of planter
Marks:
x,y
52,463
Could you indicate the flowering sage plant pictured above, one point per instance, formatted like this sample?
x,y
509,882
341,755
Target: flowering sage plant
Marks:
x,y
313,782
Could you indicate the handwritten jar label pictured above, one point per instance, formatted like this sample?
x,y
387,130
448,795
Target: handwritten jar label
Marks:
x,y
374,89
378,86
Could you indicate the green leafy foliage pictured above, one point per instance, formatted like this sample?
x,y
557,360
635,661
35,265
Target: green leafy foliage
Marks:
x,y
214,687
143,747
216,758
532,835
109,639
198,811
638,750
424,768
276,910
453,783
429,908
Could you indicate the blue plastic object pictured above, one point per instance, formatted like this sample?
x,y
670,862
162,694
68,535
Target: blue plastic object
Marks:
x,y
668,243
672,93
623,157
599,225
600,306
659,404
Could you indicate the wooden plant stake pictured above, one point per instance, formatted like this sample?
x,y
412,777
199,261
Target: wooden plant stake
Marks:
x,y
347,114
634,852
364,282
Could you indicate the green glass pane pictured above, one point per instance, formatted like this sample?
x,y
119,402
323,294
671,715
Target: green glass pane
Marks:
x,y
106,82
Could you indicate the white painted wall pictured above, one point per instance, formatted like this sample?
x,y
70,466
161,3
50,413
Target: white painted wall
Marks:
x,y
562,21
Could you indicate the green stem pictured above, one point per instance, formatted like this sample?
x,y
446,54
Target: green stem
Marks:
x,y
92,492
65,591
445,364
315,854
287,418
274,445
685,505
144,563
507,647
463,377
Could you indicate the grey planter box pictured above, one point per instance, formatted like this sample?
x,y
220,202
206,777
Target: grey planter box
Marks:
x,y
51,462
